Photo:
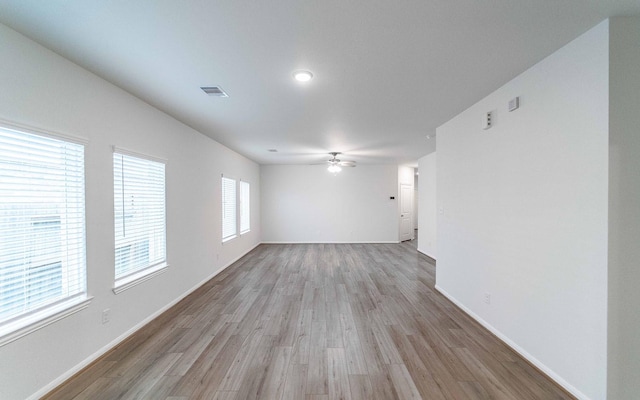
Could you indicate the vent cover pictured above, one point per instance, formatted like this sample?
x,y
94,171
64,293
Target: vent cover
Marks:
x,y
215,91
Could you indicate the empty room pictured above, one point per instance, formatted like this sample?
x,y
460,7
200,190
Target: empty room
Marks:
x,y
318,200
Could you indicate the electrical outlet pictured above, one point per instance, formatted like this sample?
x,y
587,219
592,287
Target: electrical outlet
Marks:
x,y
487,120
487,298
514,104
106,316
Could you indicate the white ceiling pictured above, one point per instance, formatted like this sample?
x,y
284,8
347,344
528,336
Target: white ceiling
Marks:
x,y
387,73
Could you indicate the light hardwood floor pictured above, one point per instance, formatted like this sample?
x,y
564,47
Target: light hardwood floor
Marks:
x,y
314,322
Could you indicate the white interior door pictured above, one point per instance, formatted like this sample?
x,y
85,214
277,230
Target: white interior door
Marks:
x,y
406,211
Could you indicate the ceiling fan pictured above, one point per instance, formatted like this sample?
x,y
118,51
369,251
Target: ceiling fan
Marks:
x,y
335,164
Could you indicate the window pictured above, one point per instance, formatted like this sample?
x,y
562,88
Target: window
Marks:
x,y
229,228
245,207
139,209
42,230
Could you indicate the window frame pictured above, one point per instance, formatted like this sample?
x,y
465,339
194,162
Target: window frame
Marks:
x,y
139,275
224,201
31,320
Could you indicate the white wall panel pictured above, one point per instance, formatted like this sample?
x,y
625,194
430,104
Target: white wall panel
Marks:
x,y
307,204
41,89
525,213
624,209
427,218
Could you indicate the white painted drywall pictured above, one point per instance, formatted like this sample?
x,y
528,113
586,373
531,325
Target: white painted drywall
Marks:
x,y
307,204
427,220
41,89
415,200
624,209
525,213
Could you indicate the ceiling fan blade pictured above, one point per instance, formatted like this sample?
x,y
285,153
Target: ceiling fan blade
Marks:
x,y
347,163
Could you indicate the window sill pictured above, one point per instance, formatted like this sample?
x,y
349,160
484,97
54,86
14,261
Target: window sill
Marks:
x,y
130,281
230,238
33,322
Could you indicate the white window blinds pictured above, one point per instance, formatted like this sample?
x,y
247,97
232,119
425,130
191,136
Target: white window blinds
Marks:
x,y
139,206
229,224
42,224
245,207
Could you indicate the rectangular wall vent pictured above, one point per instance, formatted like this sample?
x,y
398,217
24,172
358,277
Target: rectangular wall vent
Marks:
x,y
215,91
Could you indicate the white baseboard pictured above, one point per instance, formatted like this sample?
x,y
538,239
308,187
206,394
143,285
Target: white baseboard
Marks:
x,y
339,242
86,362
546,370
426,253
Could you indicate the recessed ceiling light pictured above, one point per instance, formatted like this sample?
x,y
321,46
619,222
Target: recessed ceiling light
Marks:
x,y
302,75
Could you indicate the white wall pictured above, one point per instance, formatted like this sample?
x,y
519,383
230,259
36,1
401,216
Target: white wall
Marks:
x,y
41,89
427,205
624,211
307,204
415,200
525,213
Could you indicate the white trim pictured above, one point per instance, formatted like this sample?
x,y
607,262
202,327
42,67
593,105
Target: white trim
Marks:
x,y
236,209
132,153
79,367
130,281
426,254
228,239
336,242
42,132
546,370
222,175
39,320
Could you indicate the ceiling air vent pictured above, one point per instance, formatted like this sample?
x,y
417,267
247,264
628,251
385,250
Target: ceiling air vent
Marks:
x,y
215,91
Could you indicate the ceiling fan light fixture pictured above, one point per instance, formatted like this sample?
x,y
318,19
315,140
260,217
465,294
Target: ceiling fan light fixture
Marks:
x,y
334,168
302,75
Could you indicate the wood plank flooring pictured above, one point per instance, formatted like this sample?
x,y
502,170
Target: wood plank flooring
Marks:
x,y
312,322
